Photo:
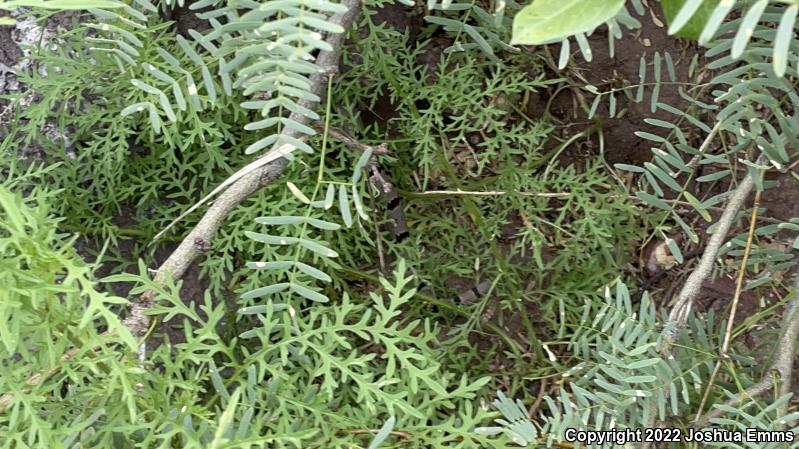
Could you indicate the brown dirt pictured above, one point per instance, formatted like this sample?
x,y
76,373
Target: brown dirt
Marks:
x,y
782,202
10,53
604,71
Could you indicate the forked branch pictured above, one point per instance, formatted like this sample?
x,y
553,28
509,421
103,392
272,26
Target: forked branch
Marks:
x,y
690,290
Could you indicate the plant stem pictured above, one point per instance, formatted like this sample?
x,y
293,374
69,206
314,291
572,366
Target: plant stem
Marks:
x,y
438,303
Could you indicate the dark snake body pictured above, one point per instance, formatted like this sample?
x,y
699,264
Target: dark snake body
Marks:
x,y
399,228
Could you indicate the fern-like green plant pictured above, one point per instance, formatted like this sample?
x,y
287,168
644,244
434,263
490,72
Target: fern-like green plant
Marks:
x,y
620,376
271,47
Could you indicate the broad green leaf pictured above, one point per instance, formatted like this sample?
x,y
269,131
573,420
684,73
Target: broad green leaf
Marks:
x,y
687,18
550,20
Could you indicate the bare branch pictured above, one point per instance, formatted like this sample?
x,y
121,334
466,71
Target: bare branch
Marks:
x,y
248,180
685,300
682,308
725,346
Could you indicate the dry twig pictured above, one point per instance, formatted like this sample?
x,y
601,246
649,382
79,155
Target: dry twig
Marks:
x,y
682,308
260,174
690,290
725,346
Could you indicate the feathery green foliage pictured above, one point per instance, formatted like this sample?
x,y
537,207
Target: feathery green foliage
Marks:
x,y
307,324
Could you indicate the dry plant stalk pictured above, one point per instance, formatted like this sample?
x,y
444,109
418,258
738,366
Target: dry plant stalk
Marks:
x,y
685,299
781,363
690,290
725,346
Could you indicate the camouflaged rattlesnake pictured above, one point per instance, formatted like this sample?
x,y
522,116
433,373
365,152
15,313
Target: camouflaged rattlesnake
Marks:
x,y
398,227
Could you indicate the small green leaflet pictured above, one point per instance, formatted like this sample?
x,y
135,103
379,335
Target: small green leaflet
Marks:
x,y
271,239
331,191
281,265
630,168
545,21
643,363
297,220
383,433
308,293
263,291
674,250
652,200
226,421
318,248
344,205
313,272
359,166
698,206
252,310
782,43
297,193
356,200
747,28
